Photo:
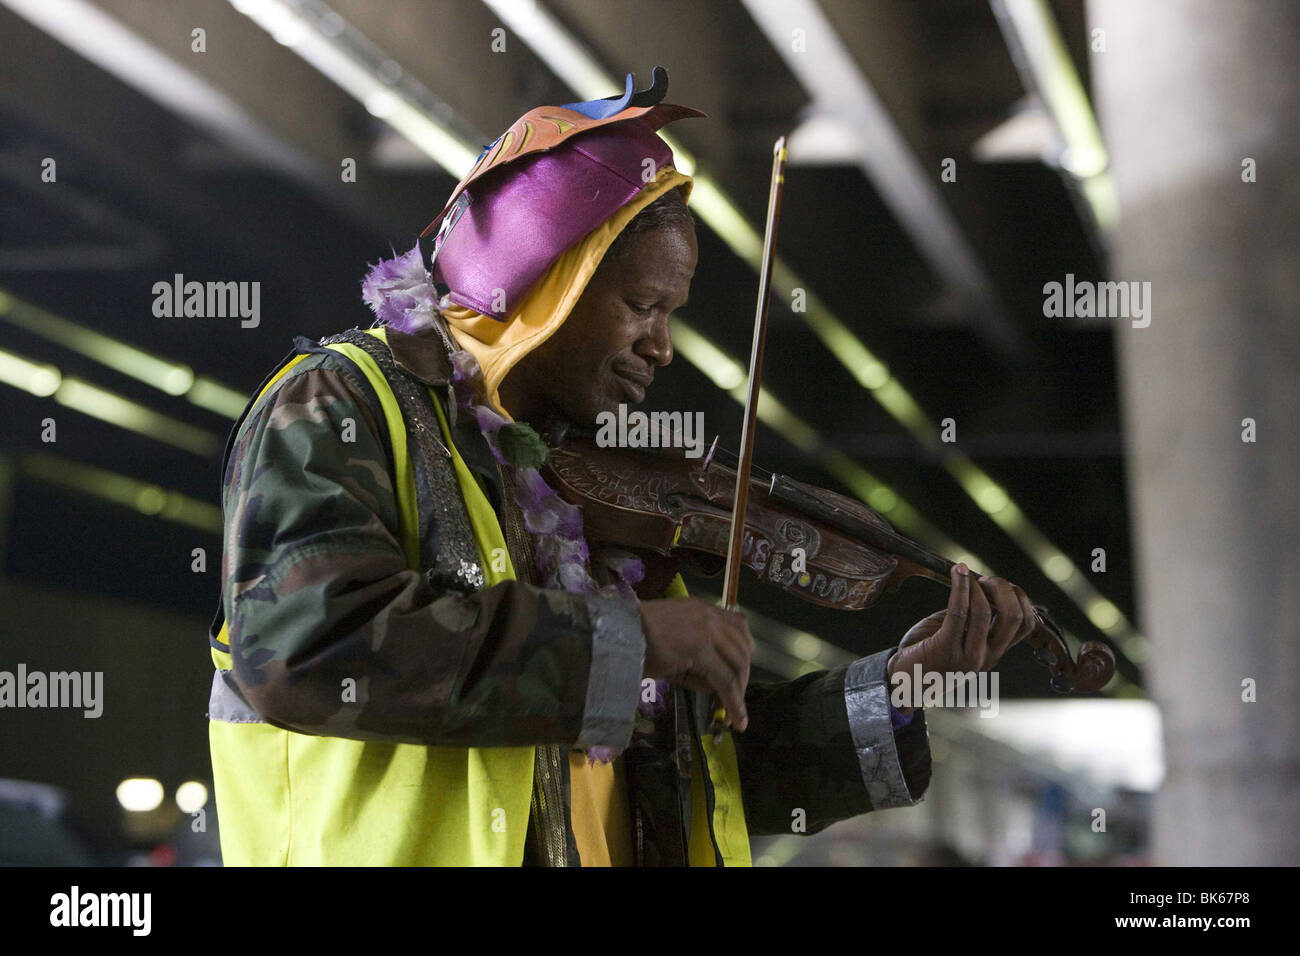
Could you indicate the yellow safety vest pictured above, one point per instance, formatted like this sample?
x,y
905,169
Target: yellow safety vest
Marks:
x,y
285,798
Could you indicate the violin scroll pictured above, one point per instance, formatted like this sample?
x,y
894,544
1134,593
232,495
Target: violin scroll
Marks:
x,y
1092,671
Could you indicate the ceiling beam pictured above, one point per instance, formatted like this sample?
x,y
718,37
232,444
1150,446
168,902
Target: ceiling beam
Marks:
x,y
842,97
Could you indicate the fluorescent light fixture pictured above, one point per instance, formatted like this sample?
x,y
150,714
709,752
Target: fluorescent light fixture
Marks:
x,y
123,490
171,377
882,499
107,406
1137,648
724,371
97,36
215,397
992,498
805,646
46,380
41,380
1103,614
1058,567
1046,69
773,413
716,209
322,38
174,378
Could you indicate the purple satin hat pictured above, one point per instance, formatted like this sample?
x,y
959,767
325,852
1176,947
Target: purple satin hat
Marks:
x,y
505,227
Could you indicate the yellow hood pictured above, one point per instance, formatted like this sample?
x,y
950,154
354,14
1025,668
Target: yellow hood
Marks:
x,y
499,345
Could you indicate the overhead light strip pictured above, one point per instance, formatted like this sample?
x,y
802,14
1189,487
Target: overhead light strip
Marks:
x,y
141,496
174,378
102,39
1044,65
325,40
46,381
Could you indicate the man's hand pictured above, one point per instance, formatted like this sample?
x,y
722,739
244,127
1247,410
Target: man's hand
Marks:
x,y
965,636
700,646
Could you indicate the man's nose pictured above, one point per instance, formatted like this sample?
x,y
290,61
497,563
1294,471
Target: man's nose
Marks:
x,y
657,345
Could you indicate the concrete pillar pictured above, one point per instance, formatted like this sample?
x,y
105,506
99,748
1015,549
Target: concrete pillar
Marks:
x,y
1186,91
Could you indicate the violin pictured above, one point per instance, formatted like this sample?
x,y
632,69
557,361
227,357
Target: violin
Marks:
x,y
676,513
814,543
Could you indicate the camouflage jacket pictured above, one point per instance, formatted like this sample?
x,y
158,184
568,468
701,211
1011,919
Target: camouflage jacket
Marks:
x,y
316,589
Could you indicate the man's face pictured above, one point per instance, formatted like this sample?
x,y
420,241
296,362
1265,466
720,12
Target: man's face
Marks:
x,y
607,350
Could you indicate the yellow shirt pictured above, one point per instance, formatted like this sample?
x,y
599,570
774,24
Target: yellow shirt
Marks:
x,y
602,822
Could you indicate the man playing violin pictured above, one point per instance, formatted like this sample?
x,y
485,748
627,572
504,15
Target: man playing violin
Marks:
x,y
420,659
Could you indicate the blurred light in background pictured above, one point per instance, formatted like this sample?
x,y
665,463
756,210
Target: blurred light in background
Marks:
x,y
1045,67
174,378
191,796
122,490
1110,742
41,380
328,43
123,412
115,48
140,794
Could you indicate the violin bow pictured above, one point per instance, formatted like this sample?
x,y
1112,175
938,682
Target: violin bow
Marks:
x,y
731,578
1096,661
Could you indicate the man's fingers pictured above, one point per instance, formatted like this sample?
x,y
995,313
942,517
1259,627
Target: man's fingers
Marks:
x,y
977,632
935,619
958,613
923,629
1010,619
738,632
729,687
1030,619
736,648
727,658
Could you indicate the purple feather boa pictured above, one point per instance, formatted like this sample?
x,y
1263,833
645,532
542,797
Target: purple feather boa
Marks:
x,y
400,292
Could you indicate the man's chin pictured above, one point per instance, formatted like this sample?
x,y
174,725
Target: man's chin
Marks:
x,y
611,403
606,404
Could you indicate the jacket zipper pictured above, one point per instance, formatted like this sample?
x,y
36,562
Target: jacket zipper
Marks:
x,y
548,777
